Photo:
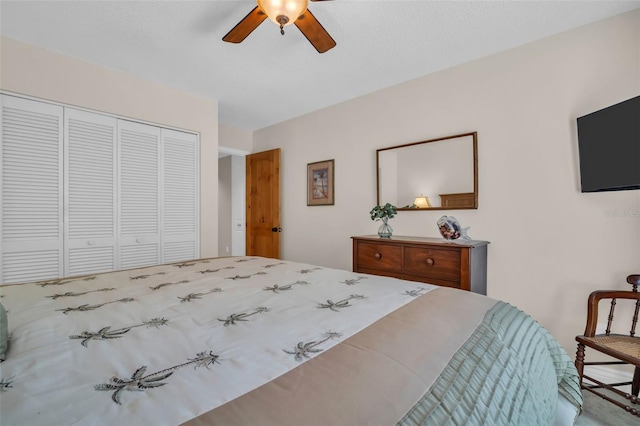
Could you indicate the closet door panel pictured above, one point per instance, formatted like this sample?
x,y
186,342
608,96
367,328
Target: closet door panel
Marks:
x,y
138,254
90,201
180,196
90,260
139,194
31,230
31,264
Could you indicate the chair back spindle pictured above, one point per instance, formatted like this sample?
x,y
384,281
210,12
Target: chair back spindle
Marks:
x,y
610,321
635,319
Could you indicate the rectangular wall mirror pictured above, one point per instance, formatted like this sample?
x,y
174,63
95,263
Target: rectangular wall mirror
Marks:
x,y
437,174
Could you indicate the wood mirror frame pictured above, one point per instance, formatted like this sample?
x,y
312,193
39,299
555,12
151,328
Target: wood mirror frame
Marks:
x,y
447,173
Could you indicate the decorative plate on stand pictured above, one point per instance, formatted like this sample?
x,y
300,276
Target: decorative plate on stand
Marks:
x,y
450,228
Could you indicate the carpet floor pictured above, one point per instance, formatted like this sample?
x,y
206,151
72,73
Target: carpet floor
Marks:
x,y
598,412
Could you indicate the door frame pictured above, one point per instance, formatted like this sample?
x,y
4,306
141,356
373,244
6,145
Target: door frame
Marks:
x,y
238,223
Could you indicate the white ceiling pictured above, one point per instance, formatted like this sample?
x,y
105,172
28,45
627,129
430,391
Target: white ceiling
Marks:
x,y
270,78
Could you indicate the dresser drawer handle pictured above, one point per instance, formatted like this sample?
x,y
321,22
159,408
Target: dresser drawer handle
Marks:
x,y
377,256
430,261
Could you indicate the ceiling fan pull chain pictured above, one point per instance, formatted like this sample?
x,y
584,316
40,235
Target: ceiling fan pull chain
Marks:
x,y
282,20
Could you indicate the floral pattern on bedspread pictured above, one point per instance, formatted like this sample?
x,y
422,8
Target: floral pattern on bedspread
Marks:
x,y
237,322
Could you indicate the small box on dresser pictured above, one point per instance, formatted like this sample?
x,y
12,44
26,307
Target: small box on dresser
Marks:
x,y
458,264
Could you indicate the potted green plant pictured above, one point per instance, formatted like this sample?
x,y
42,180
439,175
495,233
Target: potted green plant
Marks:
x,y
384,213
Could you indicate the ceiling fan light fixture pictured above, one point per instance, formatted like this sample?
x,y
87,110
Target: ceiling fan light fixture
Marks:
x,y
283,12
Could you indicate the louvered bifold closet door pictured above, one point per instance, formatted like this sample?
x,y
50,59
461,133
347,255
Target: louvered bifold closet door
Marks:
x,y
139,194
31,190
90,201
180,196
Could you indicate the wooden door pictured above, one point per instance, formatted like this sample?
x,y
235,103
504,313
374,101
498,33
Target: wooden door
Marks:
x,y
263,204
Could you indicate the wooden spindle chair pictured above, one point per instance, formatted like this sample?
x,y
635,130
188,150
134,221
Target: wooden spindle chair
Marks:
x,y
624,348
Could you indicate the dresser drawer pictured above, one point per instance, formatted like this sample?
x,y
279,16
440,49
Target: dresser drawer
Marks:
x,y
461,265
380,257
438,263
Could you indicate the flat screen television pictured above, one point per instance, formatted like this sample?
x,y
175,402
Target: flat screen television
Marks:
x,y
609,148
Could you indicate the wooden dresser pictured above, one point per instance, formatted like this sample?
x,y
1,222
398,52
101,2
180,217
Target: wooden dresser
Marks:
x,y
460,265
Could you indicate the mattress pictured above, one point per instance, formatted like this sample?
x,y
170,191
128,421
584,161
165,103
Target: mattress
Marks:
x,y
250,340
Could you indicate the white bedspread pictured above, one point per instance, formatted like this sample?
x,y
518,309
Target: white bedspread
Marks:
x,y
183,338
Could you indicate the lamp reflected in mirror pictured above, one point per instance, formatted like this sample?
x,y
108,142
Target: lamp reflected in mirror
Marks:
x,y
421,202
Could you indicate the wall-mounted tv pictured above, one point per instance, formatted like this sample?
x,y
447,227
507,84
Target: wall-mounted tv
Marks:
x,y
609,148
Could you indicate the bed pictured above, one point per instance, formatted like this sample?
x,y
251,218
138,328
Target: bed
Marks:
x,y
257,341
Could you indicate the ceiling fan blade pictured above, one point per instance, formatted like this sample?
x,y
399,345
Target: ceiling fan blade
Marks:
x,y
246,26
314,32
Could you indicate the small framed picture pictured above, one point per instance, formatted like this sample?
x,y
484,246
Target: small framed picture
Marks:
x,y
320,183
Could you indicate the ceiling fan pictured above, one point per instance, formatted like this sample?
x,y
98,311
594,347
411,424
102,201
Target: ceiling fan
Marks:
x,y
283,13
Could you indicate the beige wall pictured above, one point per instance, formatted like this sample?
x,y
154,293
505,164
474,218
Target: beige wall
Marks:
x,y
29,70
550,244
233,138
